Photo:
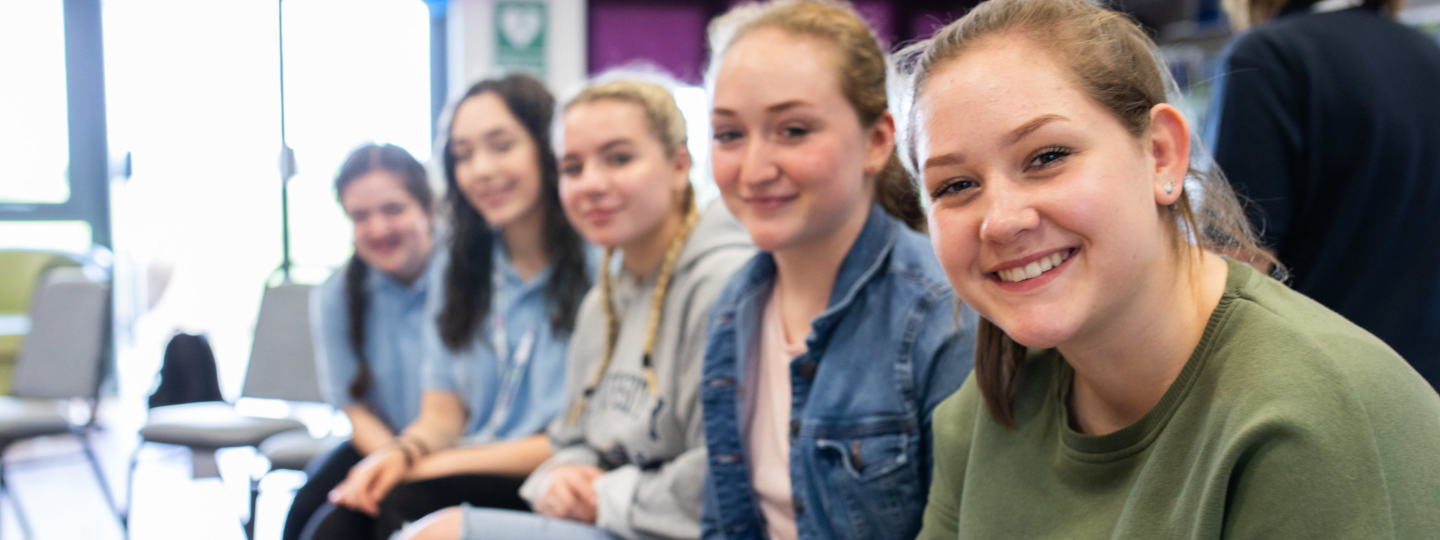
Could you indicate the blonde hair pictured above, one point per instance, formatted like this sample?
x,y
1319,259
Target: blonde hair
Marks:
x,y
1114,63
861,72
651,92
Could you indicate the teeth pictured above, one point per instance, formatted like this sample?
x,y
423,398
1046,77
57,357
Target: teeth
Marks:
x,y
1034,269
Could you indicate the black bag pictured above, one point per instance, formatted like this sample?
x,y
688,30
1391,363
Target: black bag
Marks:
x,y
187,374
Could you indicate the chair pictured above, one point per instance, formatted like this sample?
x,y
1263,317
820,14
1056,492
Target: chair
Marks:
x,y
62,359
23,271
282,366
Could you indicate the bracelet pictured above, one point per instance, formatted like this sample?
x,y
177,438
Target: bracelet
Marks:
x,y
404,451
419,444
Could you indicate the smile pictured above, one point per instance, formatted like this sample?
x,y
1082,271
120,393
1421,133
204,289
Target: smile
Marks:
x,y
1035,268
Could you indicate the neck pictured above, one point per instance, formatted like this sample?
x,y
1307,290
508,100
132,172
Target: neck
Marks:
x,y
805,275
643,255
525,244
1124,369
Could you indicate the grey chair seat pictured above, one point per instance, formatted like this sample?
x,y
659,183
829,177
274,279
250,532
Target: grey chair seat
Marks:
x,y
25,418
211,424
293,450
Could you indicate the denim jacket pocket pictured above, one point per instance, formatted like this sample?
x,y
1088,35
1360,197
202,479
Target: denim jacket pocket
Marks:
x,y
875,486
868,458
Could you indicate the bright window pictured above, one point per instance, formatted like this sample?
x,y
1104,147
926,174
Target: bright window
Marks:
x,y
34,137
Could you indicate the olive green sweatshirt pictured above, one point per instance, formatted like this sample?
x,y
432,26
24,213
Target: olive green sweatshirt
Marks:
x,y
1287,422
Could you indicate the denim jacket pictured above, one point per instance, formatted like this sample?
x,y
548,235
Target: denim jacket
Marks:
x,y
888,348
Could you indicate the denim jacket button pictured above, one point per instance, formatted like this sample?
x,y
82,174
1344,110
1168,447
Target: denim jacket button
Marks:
x,y
720,382
726,459
795,428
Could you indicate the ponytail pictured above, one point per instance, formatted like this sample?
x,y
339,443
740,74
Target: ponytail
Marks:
x,y
357,302
897,194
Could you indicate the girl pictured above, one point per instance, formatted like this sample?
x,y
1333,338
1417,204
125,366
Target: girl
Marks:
x,y
630,459
1129,381
832,347
368,317
505,306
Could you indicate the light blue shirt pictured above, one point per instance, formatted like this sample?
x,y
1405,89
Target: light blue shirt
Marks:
x,y
393,328
512,377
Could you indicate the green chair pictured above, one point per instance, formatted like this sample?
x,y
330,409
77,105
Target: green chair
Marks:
x,y
20,273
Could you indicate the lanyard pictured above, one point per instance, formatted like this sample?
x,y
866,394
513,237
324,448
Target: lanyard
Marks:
x,y
513,370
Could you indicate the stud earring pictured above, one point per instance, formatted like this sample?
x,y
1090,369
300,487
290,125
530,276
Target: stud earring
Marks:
x,y
1169,187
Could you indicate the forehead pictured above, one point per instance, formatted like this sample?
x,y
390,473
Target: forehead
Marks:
x,y
770,66
604,120
481,114
379,185
995,86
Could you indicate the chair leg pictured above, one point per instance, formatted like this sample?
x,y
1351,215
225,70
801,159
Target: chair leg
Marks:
x,y
99,472
15,502
130,490
254,497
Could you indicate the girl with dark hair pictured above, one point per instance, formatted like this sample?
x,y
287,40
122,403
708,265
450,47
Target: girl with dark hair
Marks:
x,y
504,306
367,317
830,348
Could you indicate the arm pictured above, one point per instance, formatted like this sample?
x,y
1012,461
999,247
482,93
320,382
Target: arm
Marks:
x,y
442,417
503,458
368,433
1255,130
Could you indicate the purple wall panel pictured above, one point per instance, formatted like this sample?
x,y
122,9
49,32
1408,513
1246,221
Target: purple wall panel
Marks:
x,y
671,36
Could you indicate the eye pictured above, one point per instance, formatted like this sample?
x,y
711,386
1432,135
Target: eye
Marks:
x,y
392,209
794,132
501,146
571,170
953,186
619,159
1047,157
359,217
727,136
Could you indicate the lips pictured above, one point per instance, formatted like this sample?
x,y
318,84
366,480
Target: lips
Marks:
x,y
1032,271
494,197
769,203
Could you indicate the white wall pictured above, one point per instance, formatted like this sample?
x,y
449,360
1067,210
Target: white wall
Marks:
x,y
471,44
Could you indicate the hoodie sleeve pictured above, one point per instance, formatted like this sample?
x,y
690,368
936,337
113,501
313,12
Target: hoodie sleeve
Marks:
x,y
665,502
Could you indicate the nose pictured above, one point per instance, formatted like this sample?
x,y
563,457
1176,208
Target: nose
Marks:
x,y
370,227
1009,213
758,166
592,181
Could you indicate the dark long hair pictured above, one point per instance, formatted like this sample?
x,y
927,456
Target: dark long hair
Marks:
x,y
362,161
468,283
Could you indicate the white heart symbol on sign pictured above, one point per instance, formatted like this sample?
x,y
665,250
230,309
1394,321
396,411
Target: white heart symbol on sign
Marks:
x,y
521,25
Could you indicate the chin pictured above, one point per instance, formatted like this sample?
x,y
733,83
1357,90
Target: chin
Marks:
x,y
1036,336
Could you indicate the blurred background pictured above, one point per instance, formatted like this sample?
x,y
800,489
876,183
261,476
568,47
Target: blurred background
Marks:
x,y
186,150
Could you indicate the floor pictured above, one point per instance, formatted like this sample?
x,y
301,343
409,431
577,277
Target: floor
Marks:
x,y
53,482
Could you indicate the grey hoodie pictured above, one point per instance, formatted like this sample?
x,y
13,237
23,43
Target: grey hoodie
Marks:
x,y
651,447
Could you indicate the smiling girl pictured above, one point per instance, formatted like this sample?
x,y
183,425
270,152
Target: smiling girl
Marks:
x,y
1129,381
831,347
504,304
630,453
368,317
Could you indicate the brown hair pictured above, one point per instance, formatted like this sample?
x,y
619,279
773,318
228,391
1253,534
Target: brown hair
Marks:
x,y
861,73
1246,13
1115,64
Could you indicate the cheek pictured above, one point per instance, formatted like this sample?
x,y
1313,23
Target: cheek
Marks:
x,y
955,236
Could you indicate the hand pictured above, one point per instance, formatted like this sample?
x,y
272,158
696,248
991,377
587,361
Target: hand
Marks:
x,y
370,480
571,494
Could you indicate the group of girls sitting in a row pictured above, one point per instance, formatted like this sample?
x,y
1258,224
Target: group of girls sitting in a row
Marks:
x,y
775,365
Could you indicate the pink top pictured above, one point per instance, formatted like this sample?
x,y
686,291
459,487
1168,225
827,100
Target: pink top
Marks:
x,y
767,423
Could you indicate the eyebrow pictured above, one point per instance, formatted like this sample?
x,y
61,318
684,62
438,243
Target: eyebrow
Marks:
x,y
1021,132
614,143
776,108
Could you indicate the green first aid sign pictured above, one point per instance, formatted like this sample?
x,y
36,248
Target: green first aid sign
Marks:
x,y
520,33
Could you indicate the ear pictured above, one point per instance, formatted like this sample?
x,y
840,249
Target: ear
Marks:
x,y
880,145
681,163
1169,151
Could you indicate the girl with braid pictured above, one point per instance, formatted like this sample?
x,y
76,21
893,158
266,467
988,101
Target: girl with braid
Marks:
x,y
629,449
367,317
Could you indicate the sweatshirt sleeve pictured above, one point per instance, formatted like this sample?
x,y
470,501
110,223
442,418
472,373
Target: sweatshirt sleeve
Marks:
x,y
665,502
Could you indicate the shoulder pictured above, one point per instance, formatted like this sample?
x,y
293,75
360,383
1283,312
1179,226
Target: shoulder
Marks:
x,y
954,421
913,263
1280,352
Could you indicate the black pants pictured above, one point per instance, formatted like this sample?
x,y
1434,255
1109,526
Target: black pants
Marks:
x,y
325,472
414,500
